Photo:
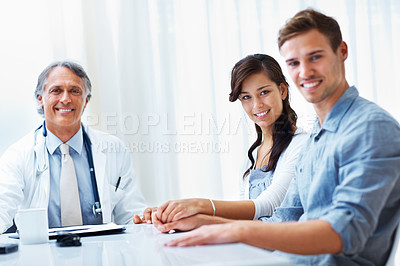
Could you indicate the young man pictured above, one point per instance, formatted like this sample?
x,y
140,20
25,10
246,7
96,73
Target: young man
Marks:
x,y
38,170
343,206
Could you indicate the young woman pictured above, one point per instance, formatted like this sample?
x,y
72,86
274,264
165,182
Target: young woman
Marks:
x,y
258,82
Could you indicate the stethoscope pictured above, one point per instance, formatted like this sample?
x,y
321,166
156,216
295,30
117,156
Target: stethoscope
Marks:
x,y
88,147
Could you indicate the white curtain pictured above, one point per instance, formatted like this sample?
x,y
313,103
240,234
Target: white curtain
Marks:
x,y
161,75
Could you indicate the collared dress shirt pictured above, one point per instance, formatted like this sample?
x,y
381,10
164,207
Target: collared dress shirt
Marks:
x,y
86,194
348,174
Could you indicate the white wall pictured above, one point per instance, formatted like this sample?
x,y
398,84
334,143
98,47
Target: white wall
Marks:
x,y
167,64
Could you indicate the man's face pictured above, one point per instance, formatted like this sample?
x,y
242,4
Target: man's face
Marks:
x,y
315,68
63,101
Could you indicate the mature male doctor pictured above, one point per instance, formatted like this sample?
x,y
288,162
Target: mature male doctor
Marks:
x,y
31,169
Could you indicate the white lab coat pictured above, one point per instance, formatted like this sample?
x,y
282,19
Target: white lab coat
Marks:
x,y
25,180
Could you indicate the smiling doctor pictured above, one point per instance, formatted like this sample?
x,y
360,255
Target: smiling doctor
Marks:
x,y
36,171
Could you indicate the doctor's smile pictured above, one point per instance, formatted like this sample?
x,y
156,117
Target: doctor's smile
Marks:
x,y
63,110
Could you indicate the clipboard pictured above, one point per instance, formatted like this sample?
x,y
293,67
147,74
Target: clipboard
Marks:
x,y
87,230
83,230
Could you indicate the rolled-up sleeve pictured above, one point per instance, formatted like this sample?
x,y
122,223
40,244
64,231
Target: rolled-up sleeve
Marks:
x,y
368,176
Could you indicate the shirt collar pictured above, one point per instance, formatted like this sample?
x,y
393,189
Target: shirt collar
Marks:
x,y
76,142
336,114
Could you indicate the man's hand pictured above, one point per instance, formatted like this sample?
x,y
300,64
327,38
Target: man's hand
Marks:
x,y
209,234
305,238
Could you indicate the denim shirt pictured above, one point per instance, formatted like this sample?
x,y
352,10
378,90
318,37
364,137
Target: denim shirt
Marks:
x,y
348,175
258,182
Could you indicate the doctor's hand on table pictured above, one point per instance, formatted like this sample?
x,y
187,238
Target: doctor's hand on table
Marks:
x,y
147,216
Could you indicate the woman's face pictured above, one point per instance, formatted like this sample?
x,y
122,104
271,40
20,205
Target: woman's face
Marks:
x,y
262,100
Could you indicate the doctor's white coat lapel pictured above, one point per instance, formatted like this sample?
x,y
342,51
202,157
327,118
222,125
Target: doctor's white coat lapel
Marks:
x,y
39,193
99,161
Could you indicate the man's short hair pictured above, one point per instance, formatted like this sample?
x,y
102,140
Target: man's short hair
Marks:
x,y
309,19
74,67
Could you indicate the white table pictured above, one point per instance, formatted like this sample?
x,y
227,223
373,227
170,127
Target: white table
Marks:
x,y
138,245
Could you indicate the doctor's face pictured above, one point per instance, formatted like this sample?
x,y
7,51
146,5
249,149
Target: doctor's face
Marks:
x,y
63,101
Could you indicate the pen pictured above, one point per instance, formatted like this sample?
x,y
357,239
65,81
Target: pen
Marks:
x,y
117,185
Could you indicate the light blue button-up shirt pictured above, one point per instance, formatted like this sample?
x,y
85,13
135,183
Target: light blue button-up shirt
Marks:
x,y
86,196
349,175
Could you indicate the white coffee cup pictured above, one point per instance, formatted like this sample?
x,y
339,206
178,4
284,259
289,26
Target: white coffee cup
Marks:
x,y
32,225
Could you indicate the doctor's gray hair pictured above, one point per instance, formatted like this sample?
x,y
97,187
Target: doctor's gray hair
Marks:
x,y
74,67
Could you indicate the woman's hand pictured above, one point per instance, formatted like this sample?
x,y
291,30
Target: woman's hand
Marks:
x,y
175,210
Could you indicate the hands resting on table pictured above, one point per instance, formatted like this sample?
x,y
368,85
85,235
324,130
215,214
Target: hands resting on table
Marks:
x,y
309,237
183,215
186,215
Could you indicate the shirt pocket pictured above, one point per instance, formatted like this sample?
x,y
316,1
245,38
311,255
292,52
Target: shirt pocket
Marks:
x,y
117,187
